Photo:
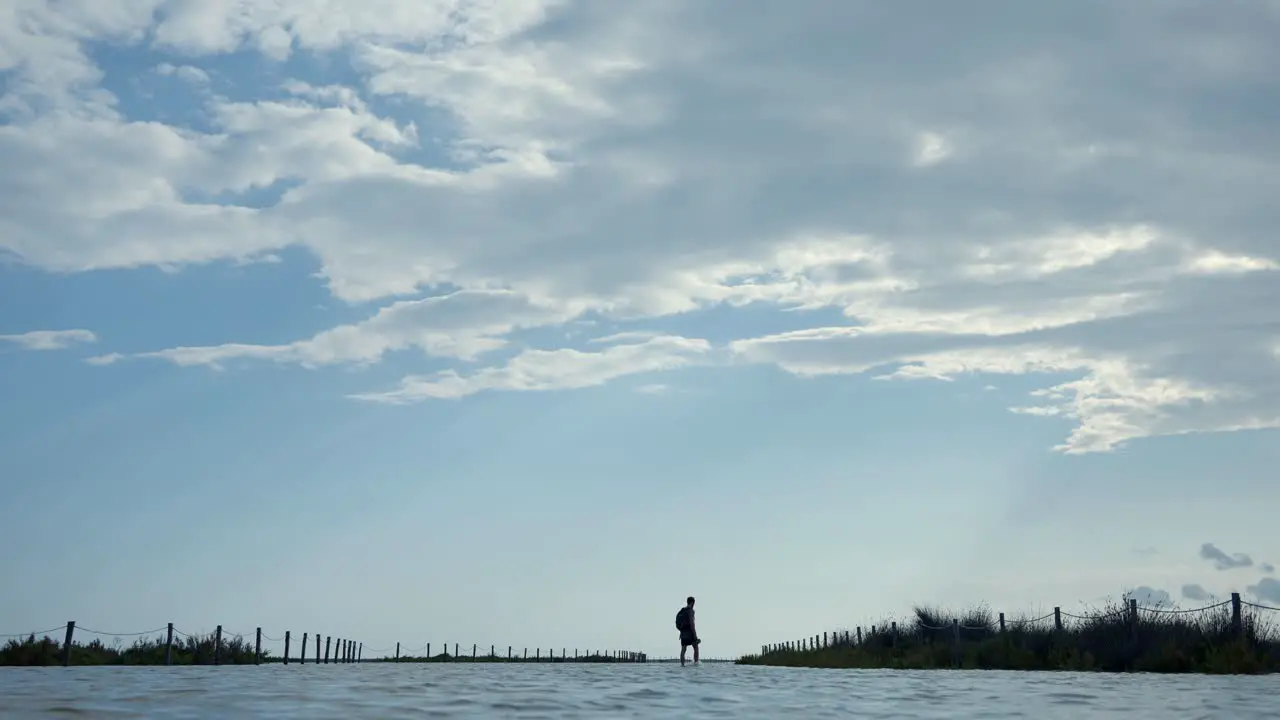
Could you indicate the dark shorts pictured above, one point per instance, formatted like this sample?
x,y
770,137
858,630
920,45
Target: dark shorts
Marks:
x,y
688,638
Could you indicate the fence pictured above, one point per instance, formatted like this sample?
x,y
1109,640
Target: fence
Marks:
x,y
1130,613
605,656
335,650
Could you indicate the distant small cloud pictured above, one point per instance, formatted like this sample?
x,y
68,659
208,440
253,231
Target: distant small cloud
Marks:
x,y
1268,568
50,339
1267,589
1223,561
108,359
1146,552
1150,596
188,73
1196,592
654,389
630,336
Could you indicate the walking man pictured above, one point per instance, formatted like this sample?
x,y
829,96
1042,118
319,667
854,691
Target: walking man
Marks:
x,y
688,630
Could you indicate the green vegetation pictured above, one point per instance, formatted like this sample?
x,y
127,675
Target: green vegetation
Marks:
x,y
1199,642
190,650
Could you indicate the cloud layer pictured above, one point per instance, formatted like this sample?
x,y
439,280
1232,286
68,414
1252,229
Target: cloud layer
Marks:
x,y
1083,191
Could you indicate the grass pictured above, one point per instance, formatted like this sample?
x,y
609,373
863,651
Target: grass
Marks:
x,y
1196,642
191,650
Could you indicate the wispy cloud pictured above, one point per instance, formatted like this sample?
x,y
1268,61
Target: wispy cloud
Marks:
x,y
50,339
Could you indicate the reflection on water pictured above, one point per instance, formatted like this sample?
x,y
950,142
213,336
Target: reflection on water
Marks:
x,y
632,691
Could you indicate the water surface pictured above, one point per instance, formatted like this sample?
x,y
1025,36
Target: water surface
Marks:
x,y
655,690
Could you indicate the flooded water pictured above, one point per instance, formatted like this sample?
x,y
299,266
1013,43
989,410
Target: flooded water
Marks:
x,y
618,691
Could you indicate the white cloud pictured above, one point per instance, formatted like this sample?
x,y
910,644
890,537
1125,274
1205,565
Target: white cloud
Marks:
x,y
462,325
552,370
188,73
987,200
50,339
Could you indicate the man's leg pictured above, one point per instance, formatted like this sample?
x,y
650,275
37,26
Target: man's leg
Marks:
x,y
695,650
684,647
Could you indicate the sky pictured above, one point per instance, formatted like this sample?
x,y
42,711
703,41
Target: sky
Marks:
x,y
516,322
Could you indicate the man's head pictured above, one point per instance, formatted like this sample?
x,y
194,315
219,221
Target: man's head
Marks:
x,y
689,601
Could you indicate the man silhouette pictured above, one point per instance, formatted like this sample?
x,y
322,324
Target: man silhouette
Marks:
x,y
688,630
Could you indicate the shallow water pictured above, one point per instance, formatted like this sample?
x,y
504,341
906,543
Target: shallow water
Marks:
x,y
655,690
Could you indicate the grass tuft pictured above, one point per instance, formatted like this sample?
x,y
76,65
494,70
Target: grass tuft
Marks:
x,y
1105,640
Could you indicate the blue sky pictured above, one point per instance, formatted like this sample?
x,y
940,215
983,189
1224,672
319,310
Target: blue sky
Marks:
x,y
429,322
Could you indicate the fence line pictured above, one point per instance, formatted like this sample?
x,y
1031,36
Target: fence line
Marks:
x,y
1131,612
335,650
459,654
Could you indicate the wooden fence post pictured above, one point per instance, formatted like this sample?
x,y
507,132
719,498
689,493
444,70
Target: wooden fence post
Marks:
x,y
473,651
455,649
1237,622
217,646
508,652
302,650
526,653
327,640
66,643
1002,622
397,652
360,653
428,651
537,655
257,648
168,647
286,647
955,639
859,628
317,649
1057,619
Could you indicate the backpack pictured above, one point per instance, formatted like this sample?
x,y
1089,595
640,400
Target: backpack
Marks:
x,y
682,619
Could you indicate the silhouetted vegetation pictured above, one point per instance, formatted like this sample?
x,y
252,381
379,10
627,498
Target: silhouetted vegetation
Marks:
x,y
191,650
1107,640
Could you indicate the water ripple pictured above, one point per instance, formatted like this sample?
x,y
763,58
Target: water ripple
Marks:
x,y
609,691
